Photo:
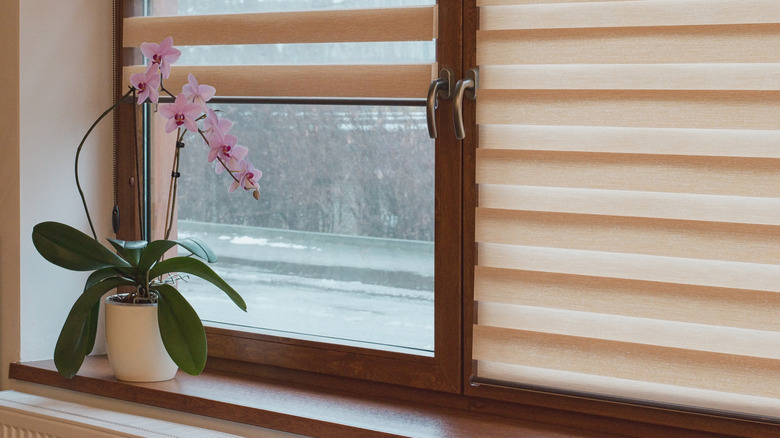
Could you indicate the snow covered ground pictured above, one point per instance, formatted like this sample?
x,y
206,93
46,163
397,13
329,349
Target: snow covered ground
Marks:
x,y
341,287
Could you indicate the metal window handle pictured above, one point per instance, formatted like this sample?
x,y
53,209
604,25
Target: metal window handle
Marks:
x,y
440,88
468,87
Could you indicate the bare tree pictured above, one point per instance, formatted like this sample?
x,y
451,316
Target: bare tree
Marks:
x,y
365,171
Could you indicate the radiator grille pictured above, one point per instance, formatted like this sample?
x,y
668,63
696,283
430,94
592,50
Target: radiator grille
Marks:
x,y
19,432
29,416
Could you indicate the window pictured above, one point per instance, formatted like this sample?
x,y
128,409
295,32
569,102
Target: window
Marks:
x,y
611,215
358,224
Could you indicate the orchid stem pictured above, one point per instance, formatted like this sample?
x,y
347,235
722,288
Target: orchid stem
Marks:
x,y
139,198
78,153
172,189
162,88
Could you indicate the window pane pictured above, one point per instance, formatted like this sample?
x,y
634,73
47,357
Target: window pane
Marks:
x,y
203,7
389,52
341,242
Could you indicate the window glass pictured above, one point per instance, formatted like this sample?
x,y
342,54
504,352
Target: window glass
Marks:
x,y
388,52
341,242
203,7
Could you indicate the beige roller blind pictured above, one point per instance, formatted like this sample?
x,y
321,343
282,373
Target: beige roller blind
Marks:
x,y
333,26
628,215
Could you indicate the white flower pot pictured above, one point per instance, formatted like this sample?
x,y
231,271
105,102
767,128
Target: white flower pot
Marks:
x,y
135,349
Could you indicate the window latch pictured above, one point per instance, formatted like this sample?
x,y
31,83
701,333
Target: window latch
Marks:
x,y
441,87
468,87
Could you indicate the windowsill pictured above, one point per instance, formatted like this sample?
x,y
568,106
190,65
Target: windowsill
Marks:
x,y
295,408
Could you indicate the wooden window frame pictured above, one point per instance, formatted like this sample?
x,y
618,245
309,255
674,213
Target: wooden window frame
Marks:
x,y
445,378
442,372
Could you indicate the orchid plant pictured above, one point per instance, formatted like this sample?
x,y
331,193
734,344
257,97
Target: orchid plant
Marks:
x,y
141,265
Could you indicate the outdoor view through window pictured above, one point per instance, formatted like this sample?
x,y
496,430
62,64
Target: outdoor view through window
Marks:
x,y
340,244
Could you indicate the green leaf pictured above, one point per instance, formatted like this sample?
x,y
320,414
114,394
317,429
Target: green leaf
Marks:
x,y
157,248
198,268
71,249
130,251
198,247
153,252
77,336
101,274
181,330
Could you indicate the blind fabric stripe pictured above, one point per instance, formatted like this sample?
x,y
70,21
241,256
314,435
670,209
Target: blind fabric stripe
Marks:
x,y
655,364
745,177
349,25
715,339
646,45
628,213
658,205
656,141
674,238
632,108
720,76
643,299
629,14
678,270
381,81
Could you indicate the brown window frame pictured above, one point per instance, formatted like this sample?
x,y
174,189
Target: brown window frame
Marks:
x,y
449,370
442,372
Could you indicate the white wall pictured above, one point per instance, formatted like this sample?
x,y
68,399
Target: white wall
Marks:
x,y
65,83
64,77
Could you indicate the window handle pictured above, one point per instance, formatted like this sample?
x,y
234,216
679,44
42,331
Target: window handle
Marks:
x,y
440,88
468,87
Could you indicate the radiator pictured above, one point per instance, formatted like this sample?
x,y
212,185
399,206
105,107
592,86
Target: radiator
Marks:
x,y
30,416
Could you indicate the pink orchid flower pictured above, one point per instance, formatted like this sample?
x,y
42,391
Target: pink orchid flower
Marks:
x,y
224,147
247,177
235,160
180,113
161,56
147,85
214,123
196,93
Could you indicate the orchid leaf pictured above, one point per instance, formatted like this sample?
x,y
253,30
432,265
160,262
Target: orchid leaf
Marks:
x,y
197,268
153,252
130,251
198,247
78,333
157,248
71,249
181,330
101,274
74,346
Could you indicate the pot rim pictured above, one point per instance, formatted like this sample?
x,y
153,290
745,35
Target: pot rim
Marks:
x,y
118,303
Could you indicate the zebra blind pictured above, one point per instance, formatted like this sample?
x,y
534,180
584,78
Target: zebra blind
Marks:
x,y
417,23
628,211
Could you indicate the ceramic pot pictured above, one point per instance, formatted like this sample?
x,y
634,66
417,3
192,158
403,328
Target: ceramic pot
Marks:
x,y
135,349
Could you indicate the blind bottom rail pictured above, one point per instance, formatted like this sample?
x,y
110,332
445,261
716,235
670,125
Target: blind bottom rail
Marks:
x,y
477,381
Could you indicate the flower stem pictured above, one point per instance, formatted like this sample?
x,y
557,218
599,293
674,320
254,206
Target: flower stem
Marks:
x,y
139,199
169,213
162,88
78,153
